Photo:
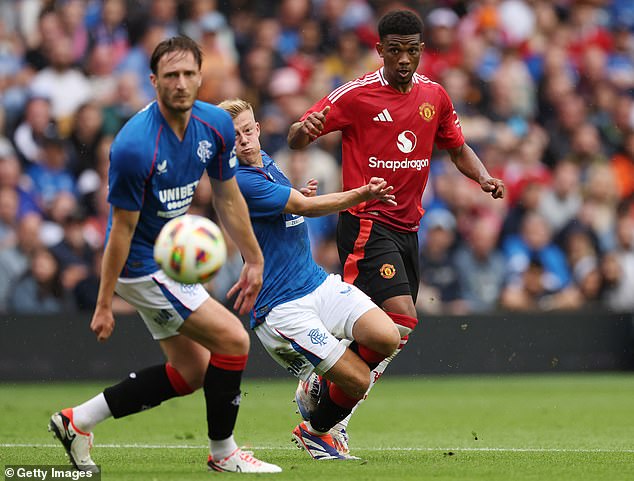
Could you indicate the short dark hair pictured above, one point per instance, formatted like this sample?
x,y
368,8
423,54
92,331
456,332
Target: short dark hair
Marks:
x,y
400,22
175,44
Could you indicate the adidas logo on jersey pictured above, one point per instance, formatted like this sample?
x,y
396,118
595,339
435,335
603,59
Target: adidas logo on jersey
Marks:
x,y
383,116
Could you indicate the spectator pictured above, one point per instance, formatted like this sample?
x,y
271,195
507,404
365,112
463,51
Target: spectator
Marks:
x,y
52,176
481,265
71,14
29,135
67,87
129,99
73,252
534,241
11,176
9,203
530,292
49,29
440,289
600,200
561,201
219,69
618,274
85,137
584,264
442,50
14,261
623,166
350,60
39,290
137,60
110,31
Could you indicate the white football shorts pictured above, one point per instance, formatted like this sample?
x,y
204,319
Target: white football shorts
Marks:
x,y
304,335
162,303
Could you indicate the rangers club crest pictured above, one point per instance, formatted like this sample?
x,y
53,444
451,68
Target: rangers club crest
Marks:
x,y
427,111
204,151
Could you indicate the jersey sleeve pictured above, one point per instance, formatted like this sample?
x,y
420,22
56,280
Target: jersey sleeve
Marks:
x,y
226,162
336,118
264,197
127,176
449,134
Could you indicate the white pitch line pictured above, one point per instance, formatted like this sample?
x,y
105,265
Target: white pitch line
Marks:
x,y
286,448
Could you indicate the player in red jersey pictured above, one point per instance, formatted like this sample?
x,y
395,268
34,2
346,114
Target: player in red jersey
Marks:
x,y
389,121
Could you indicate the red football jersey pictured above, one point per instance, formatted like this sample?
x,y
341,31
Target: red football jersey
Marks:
x,y
389,134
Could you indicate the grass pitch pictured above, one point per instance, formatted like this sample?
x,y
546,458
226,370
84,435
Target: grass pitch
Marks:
x,y
523,427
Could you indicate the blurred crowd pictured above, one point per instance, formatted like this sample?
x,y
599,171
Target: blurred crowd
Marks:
x,y
544,90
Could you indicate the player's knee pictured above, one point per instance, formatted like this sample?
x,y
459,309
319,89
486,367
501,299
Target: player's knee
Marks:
x,y
389,342
235,342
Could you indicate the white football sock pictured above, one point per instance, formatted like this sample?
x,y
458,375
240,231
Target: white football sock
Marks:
x,y
220,449
93,411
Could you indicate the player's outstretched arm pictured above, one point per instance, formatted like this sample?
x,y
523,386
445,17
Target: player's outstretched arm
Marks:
x,y
123,225
303,133
326,204
470,165
234,215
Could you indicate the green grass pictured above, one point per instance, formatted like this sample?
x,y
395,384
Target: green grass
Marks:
x,y
522,427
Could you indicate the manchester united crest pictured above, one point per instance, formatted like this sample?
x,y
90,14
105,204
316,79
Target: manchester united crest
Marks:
x,y
427,111
387,271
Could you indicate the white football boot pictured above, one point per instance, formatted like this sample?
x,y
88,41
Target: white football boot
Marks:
x,y
76,443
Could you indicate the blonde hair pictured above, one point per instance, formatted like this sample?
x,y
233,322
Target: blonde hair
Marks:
x,y
235,106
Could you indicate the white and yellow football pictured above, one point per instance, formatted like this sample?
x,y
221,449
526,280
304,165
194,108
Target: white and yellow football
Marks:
x,y
190,249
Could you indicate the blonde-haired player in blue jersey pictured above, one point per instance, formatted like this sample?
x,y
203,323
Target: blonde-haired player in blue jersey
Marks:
x,y
156,161
302,314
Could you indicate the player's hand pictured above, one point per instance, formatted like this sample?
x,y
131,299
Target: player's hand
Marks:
x,y
379,190
310,190
495,186
313,125
247,287
102,324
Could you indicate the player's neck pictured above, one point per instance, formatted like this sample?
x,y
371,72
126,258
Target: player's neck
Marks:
x,y
177,121
393,82
399,87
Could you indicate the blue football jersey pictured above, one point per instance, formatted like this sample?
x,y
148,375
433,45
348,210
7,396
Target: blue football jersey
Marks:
x,y
154,172
289,269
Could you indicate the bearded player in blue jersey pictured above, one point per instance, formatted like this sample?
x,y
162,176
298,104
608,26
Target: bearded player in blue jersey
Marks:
x,y
302,314
156,161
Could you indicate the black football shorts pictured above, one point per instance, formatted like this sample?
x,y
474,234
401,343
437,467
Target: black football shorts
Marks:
x,y
380,261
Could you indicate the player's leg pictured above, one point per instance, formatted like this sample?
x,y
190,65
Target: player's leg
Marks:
x,y
347,381
369,332
295,336
347,313
219,331
145,388
384,265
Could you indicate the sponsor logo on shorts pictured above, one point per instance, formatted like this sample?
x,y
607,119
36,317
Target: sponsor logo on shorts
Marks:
x,y
295,366
346,290
163,317
317,337
387,271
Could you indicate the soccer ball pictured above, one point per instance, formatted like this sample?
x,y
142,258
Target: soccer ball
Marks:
x,y
190,249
